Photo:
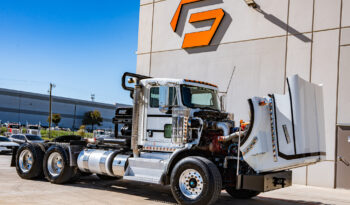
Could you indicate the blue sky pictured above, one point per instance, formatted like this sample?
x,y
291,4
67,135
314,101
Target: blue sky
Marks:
x,y
83,46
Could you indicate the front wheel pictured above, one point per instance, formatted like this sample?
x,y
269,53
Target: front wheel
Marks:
x,y
241,193
194,181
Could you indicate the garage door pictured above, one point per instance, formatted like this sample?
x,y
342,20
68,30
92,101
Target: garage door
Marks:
x,y
343,157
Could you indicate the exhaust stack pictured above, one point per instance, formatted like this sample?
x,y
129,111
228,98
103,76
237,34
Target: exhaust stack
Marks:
x,y
135,120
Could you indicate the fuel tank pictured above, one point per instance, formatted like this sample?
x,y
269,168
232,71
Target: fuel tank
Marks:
x,y
97,161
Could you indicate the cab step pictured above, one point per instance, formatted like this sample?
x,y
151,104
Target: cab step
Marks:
x,y
145,170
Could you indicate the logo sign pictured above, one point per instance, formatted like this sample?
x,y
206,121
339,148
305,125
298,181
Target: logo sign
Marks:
x,y
202,38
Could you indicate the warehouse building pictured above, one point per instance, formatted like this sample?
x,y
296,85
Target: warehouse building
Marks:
x,y
32,108
248,49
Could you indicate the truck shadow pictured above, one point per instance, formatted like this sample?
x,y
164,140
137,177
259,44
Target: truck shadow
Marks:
x,y
161,194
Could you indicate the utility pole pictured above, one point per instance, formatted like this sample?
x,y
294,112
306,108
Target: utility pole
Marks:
x,y
50,108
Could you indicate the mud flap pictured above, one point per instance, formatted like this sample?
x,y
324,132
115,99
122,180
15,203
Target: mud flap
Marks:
x,y
287,130
13,157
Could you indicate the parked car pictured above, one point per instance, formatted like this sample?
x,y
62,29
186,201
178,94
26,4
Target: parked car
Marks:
x,y
23,138
6,145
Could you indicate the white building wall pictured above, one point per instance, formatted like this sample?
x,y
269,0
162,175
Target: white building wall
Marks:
x,y
252,53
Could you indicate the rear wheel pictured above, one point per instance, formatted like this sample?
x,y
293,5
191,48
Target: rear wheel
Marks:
x,y
193,182
56,165
29,160
241,193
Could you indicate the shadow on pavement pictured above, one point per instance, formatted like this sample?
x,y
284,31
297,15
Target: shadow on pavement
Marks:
x,y
161,194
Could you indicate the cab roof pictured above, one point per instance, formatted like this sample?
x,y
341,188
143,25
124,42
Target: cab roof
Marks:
x,y
167,81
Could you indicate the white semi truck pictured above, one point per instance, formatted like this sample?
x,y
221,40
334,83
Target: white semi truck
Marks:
x,y
177,134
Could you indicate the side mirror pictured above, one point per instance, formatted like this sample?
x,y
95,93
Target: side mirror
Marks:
x,y
223,102
163,99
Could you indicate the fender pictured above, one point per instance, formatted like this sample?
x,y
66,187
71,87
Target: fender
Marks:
x,y
175,158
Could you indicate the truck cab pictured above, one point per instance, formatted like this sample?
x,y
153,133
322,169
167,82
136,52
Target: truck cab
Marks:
x,y
166,99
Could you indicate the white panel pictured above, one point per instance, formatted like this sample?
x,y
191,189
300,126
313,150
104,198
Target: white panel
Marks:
x,y
164,38
298,56
327,14
345,36
321,174
142,2
240,22
344,85
300,16
145,29
143,64
299,176
324,71
259,69
346,13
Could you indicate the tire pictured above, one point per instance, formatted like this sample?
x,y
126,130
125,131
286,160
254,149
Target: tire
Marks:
x,y
195,181
241,193
217,176
56,165
105,177
29,161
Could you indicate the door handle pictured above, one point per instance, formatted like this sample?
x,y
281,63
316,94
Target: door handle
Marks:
x,y
344,161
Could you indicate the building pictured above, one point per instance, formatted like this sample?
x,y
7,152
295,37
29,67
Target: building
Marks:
x,y
249,51
33,108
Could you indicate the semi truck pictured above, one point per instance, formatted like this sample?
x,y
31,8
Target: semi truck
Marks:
x,y
177,134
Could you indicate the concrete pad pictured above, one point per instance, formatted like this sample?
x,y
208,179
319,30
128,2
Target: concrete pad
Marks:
x,y
90,190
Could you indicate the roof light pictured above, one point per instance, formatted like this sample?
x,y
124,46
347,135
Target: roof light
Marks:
x,y
200,82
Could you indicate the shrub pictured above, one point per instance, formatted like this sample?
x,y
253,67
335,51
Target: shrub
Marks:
x,y
3,130
24,131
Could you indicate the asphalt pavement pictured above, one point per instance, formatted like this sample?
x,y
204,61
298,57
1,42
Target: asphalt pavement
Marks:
x,y
91,190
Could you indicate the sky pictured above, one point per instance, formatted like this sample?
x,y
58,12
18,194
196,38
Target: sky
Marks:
x,y
82,46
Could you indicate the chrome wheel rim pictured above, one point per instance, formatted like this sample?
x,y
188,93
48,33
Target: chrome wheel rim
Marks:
x,y
191,183
55,164
26,161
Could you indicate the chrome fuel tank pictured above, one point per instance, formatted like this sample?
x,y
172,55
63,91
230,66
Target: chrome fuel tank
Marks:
x,y
97,161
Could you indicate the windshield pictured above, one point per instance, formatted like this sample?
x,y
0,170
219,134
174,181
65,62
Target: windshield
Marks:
x,y
33,137
14,126
4,139
199,97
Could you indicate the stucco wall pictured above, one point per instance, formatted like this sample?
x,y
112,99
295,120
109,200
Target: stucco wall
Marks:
x,y
252,53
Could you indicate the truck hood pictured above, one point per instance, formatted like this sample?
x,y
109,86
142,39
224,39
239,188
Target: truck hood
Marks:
x,y
287,130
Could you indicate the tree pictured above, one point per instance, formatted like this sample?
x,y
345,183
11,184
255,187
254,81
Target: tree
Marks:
x,y
92,118
56,118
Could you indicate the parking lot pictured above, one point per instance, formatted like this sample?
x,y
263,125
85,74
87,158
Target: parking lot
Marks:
x,y
91,190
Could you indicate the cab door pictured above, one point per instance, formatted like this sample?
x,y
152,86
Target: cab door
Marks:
x,y
159,124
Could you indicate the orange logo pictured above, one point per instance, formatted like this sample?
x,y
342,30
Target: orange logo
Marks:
x,y
202,38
